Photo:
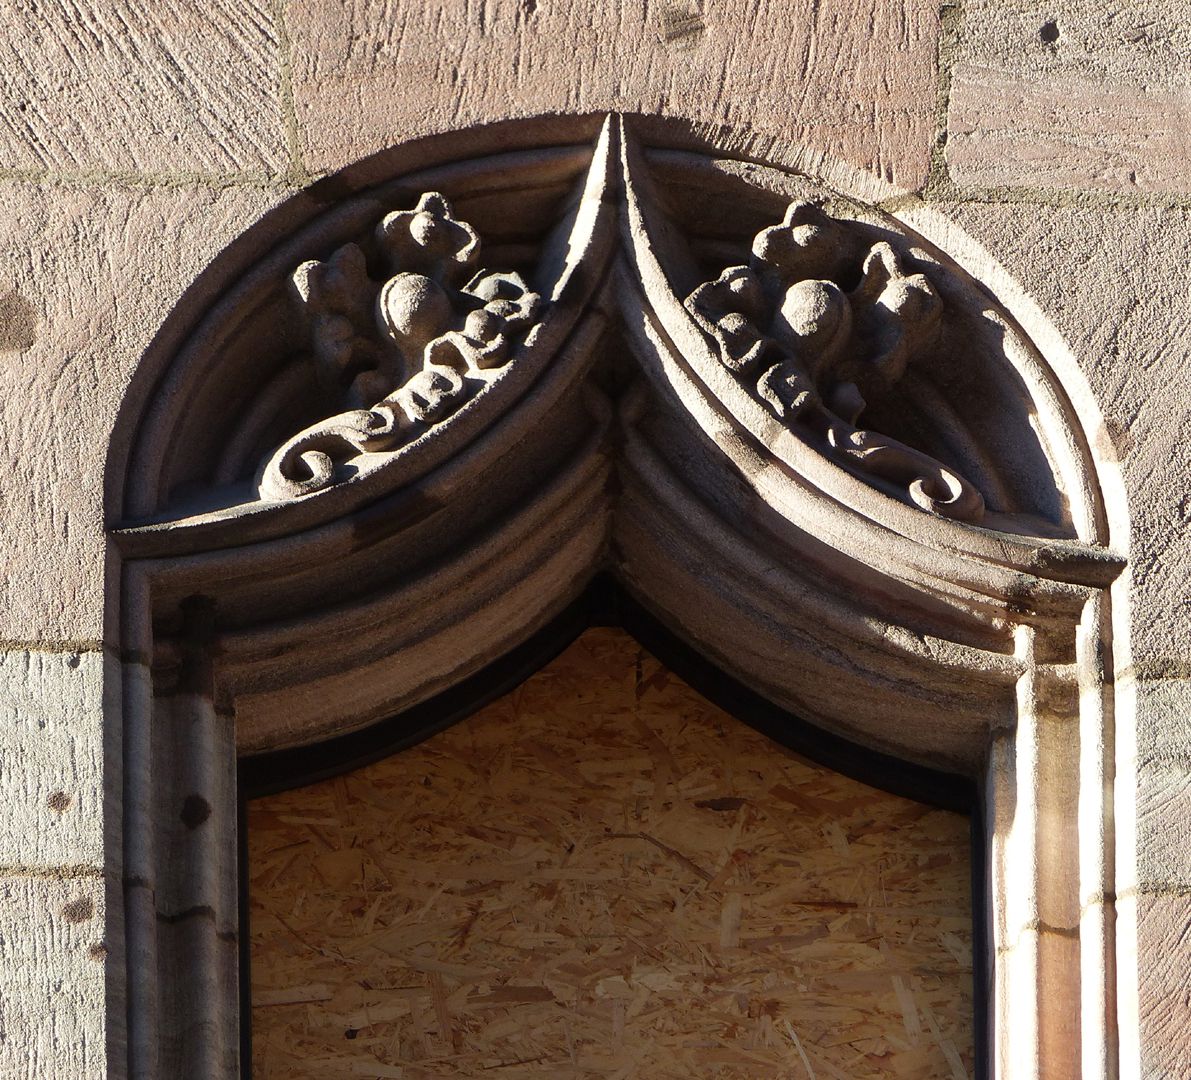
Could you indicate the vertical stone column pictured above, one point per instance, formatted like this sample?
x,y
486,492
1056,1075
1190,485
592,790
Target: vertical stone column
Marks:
x,y
140,869
197,898
1096,834
182,900
61,920
1035,867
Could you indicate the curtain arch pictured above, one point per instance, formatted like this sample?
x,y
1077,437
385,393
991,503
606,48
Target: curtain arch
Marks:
x,y
405,422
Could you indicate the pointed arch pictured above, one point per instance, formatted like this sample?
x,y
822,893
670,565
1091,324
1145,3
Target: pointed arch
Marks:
x,y
799,435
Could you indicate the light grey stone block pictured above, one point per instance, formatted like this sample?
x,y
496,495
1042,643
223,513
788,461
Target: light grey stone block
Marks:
x,y
52,759
1164,719
53,956
1164,824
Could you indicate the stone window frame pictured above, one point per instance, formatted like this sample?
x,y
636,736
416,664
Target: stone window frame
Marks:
x,y
189,669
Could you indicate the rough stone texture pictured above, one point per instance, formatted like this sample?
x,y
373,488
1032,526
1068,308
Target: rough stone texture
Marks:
x,y
52,759
1164,1001
1115,283
1162,834
1164,824
1166,705
1079,94
98,85
369,74
89,276
52,965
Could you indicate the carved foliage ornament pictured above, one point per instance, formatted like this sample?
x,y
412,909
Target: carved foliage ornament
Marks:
x,y
405,353
806,347
812,350
823,332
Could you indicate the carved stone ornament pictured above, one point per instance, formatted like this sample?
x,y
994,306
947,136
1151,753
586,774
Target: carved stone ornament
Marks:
x,y
407,353
804,345
728,362
836,323
396,432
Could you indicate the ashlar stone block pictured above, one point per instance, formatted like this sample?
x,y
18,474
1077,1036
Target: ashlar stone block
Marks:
x,y
1079,95
857,82
53,957
115,86
88,277
1164,993
1165,705
1163,833
52,766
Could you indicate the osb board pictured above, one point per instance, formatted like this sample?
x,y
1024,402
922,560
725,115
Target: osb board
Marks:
x,y
602,875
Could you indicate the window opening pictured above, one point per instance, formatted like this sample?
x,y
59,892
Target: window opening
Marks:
x,y
602,873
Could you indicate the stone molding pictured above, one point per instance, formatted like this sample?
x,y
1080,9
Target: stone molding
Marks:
x,y
791,427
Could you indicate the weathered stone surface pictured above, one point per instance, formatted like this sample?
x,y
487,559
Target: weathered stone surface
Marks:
x,y
1114,282
51,759
121,86
52,963
1079,94
1164,998
367,75
93,274
1164,823
1084,96
1166,706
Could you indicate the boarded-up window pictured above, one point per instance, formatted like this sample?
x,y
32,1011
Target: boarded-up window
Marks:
x,y
603,875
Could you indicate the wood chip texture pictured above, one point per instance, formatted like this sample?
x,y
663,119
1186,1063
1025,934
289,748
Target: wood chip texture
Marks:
x,y
603,875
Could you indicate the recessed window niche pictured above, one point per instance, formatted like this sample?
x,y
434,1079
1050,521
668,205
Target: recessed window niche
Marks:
x,y
603,875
